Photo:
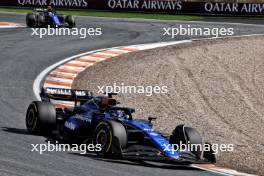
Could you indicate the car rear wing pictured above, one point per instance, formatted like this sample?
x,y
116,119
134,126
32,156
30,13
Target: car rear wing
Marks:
x,y
81,96
39,10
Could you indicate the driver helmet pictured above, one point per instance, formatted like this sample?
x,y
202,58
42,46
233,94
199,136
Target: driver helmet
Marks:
x,y
50,9
103,102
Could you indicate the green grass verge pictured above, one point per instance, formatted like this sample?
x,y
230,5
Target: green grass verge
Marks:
x,y
114,14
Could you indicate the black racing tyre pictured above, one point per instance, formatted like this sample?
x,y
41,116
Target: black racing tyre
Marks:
x,y
40,117
188,135
71,21
193,137
31,20
209,155
112,137
41,20
177,135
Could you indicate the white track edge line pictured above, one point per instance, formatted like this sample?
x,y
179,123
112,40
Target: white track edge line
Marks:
x,y
212,171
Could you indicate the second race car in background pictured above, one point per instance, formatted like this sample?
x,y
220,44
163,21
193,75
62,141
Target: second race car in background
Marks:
x,y
48,17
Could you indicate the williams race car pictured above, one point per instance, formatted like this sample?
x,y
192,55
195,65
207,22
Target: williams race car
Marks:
x,y
101,120
48,17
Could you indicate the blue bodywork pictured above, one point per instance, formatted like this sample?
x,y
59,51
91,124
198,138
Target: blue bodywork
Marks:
x,y
78,121
128,137
159,141
137,139
55,19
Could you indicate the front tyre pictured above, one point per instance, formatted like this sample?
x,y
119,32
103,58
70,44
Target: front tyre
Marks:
x,y
187,135
40,117
112,137
209,155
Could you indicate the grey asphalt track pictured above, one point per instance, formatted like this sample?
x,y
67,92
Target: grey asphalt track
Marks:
x,y
24,56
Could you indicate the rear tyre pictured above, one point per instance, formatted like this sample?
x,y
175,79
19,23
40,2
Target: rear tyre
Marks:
x,y
71,21
112,137
31,20
41,20
40,117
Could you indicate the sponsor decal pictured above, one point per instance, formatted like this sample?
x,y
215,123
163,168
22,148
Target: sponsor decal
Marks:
x,y
148,129
58,91
169,6
80,93
145,4
70,125
153,134
234,7
57,3
82,118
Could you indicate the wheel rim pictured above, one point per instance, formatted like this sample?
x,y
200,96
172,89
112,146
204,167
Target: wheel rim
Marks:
x,y
101,138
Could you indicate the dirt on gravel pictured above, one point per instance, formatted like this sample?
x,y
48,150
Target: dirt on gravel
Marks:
x,y
216,86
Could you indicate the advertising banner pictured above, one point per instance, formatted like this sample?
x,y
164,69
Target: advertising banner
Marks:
x,y
166,6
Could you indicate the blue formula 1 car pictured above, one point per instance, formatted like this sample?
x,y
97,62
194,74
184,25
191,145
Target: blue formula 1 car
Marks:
x,y
100,120
48,17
